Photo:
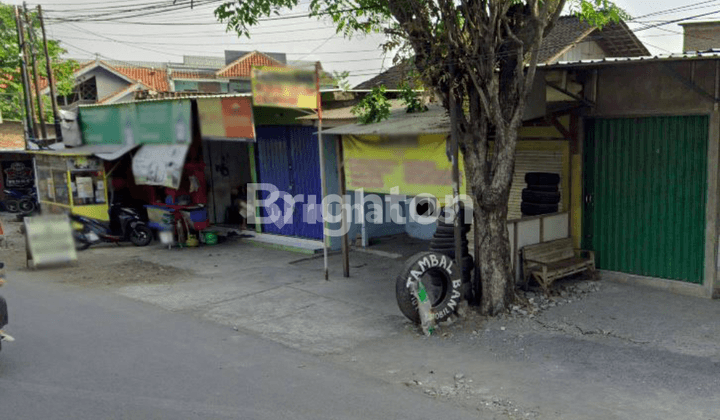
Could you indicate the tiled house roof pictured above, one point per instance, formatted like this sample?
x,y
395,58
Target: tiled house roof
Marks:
x,y
242,67
616,39
155,79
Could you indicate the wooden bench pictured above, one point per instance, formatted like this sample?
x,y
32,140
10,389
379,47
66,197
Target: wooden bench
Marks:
x,y
549,261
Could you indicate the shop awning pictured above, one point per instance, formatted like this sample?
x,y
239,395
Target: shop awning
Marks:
x,y
160,165
105,151
400,123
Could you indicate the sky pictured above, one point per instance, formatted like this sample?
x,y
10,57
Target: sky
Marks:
x,y
178,31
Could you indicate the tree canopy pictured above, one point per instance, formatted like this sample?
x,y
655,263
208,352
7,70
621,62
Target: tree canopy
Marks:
x,y
479,57
10,64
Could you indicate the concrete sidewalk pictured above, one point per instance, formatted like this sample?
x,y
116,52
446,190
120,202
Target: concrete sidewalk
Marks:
x,y
601,351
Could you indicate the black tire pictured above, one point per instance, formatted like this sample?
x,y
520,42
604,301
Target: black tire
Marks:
x,y
81,244
542,178
26,206
12,206
450,229
540,197
545,188
141,235
441,280
447,242
531,209
450,252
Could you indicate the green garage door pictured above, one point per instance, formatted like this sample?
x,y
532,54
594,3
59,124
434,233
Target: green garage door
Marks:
x,y
645,188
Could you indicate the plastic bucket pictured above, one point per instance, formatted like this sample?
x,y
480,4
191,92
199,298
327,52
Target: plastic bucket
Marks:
x,y
211,237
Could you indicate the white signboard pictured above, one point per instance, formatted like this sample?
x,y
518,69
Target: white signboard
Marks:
x,y
160,165
50,240
85,187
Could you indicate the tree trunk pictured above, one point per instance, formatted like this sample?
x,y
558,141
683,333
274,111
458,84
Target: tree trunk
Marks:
x,y
497,283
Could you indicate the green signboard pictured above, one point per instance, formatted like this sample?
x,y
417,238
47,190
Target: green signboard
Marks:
x,y
157,122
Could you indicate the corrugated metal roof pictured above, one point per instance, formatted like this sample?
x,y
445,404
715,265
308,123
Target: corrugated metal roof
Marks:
x,y
699,55
194,95
434,121
103,151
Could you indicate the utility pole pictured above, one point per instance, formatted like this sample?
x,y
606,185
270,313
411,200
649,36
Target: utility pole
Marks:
x,y
32,127
36,80
51,79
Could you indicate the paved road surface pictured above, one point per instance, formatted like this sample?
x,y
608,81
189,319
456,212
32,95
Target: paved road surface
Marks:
x,y
87,353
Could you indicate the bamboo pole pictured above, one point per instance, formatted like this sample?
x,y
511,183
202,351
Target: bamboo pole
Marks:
x,y
51,79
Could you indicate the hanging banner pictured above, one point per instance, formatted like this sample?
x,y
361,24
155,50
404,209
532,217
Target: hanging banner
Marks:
x,y
284,87
163,122
159,165
226,118
414,166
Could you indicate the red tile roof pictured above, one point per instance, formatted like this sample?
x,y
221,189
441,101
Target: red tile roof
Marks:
x,y
242,67
155,79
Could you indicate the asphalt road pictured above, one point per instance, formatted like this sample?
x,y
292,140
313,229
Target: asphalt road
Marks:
x,y
88,353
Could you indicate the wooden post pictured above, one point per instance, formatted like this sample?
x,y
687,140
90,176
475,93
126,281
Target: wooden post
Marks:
x,y
51,79
36,80
344,222
29,107
323,187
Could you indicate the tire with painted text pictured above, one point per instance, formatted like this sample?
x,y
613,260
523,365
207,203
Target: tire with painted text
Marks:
x,y
441,279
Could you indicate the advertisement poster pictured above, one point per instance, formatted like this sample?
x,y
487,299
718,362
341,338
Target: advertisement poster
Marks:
x,y
84,187
18,174
226,118
160,165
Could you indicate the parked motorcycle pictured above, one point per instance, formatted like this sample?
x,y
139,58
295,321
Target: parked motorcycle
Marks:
x,y
20,201
3,311
126,224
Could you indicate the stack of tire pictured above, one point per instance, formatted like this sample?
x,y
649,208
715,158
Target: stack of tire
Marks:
x,y
542,194
435,270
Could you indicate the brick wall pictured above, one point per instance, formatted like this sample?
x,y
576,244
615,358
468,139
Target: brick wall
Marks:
x,y
701,36
12,135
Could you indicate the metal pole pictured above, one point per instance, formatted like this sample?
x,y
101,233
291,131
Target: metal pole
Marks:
x,y
323,188
343,216
31,38
29,109
51,79
456,182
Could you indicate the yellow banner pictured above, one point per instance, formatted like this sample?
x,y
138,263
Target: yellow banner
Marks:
x,y
417,165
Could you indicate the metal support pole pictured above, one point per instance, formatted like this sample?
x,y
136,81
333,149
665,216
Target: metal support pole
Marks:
x,y
29,109
36,80
343,216
51,79
323,187
456,182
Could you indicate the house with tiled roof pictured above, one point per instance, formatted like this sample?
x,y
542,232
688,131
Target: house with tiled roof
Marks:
x,y
108,81
571,39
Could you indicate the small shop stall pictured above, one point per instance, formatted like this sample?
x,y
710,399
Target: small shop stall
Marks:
x,y
72,181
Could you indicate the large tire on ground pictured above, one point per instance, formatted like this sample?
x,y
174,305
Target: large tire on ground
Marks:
x,y
542,178
540,197
442,281
546,188
450,229
450,252
141,234
531,209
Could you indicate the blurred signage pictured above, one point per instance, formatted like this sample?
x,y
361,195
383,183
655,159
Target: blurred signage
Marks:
x,y
226,118
49,240
19,174
284,87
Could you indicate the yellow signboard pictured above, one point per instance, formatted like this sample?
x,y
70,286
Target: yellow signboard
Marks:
x,y
414,166
284,87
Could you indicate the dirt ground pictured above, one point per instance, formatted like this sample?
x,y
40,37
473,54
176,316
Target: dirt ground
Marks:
x,y
99,266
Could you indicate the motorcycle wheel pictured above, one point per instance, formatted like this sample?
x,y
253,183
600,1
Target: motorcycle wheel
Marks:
x,y
81,243
12,206
141,235
26,205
